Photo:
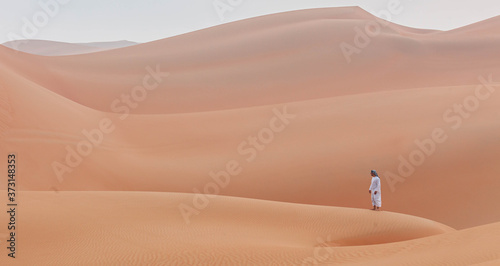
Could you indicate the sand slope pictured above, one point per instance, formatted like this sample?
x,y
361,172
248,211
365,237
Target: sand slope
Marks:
x,y
177,156
271,59
147,228
342,137
271,107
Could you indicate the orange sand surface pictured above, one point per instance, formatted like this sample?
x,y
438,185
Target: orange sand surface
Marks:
x,y
113,148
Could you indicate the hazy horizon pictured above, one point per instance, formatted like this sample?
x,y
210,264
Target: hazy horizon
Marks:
x,y
77,21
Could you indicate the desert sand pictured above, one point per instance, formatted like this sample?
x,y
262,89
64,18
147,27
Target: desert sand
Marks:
x,y
114,147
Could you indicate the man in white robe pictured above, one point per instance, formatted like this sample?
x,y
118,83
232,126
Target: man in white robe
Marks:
x,y
375,191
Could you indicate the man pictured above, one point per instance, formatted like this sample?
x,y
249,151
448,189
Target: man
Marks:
x,y
375,191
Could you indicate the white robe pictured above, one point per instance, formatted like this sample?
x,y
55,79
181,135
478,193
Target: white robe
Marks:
x,y
375,186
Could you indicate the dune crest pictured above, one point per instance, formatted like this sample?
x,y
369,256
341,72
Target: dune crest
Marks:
x,y
53,48
269,60
150,229
147,228
274,117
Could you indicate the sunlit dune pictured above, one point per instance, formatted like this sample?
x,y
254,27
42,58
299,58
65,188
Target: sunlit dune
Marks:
x,y
117,145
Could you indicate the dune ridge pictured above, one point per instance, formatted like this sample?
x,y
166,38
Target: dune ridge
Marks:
x,y
146,228
268,114
222,57
53,48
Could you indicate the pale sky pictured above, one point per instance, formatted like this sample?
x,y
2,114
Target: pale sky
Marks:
x,y
148,20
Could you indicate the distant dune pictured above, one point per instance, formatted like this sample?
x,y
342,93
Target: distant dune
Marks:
x,y
269,114
272,61
52,48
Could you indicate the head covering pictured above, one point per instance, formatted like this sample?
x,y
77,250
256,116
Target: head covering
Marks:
x,y
374,172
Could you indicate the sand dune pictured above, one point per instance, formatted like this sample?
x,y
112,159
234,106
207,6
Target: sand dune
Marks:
x,y
52,48
342,137
146,228
271,61
334,133
261,109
